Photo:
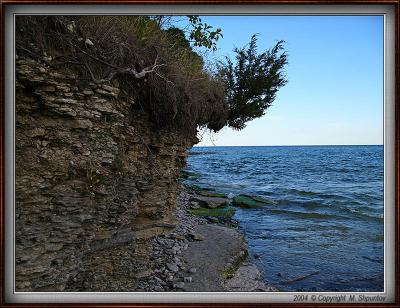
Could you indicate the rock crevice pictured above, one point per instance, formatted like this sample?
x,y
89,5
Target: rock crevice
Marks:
x,y
94,181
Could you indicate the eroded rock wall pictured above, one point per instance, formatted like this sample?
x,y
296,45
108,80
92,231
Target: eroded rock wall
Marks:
x,y
94,181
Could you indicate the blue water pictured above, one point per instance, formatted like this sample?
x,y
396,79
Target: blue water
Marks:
x,y
328,220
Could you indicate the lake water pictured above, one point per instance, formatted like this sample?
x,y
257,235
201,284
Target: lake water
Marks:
x,y
328,222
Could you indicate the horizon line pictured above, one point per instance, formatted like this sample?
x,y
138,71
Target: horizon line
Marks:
x,y
287,145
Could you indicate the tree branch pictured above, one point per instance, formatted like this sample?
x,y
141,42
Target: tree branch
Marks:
x,y
130,70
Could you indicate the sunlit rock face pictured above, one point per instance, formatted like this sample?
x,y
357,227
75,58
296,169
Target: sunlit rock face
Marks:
x,y
94,181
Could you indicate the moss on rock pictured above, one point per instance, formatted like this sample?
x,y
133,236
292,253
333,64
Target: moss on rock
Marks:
x,y
251,202
199,189
212,194
226,211
231,268
184,174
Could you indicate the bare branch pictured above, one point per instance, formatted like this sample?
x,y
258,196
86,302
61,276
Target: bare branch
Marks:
x,y
197,79
164,78
91,74
95,58
129,70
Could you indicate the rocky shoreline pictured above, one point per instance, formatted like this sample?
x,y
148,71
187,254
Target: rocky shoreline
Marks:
x,y
203,254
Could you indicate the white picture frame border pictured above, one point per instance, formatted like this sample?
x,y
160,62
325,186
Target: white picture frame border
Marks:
x,y
11,296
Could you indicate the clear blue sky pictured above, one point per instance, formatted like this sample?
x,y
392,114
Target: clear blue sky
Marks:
x,y
335,73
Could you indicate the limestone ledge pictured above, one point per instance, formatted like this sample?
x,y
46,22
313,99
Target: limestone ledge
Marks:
x,y
94,181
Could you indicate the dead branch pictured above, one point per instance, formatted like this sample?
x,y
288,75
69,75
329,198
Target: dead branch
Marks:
x,y
129,70
164,78
91,74
95,58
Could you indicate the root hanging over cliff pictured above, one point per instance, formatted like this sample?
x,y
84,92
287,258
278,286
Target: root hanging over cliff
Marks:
x,y
134,54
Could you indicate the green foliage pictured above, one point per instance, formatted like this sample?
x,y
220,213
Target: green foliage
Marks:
x,y
178,36
203,34
182,47
144,26
175,90
252,81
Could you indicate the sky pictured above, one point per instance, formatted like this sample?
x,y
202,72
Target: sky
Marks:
x,y
334,93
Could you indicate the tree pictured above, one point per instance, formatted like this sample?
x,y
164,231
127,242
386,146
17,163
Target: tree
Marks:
x,y
202,34
252,81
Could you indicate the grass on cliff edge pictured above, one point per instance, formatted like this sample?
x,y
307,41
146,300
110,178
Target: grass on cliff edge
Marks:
x,y
178,93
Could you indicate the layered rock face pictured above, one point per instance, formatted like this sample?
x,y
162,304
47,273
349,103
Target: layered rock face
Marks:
x,y
94,181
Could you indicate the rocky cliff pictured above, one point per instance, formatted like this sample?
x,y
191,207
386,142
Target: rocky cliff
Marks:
x,y
94,181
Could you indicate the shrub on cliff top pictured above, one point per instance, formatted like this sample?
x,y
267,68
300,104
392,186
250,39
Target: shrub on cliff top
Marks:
x,y
164,76
158,67
252,81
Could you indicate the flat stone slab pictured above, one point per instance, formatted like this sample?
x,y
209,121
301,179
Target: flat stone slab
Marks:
x,y
247,279
211,202
211,256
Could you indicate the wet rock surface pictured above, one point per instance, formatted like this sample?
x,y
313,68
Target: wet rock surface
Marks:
x,y
210,202
247,279
197,256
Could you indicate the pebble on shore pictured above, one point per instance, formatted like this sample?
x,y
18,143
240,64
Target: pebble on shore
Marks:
x,y
169,271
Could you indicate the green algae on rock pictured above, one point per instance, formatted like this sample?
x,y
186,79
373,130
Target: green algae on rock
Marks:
x,y
212,194
210,202
184,174
251,201
226,211
198,189
264,200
